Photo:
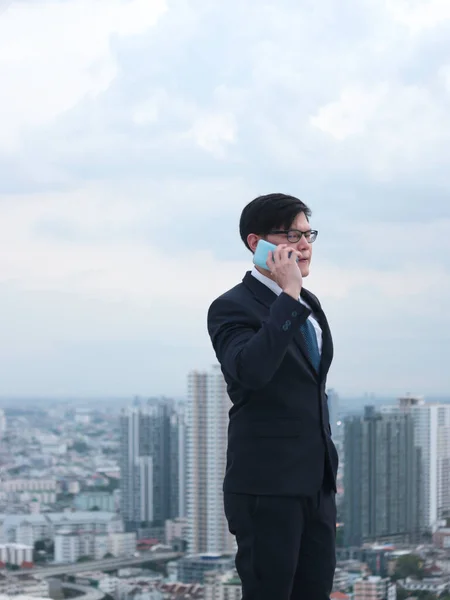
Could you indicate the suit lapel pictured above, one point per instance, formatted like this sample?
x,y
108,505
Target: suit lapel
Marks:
x,y
266,297
261,292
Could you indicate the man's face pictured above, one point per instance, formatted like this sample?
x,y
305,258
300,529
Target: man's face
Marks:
x,y
300,224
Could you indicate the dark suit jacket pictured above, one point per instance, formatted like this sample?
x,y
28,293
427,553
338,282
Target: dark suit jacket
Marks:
x,y
279,437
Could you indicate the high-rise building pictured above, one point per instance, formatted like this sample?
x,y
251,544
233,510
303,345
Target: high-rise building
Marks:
x,y
432,437
382,479
150,464
333,410
178,462
207,426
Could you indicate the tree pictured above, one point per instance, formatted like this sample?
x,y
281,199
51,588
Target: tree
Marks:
x,y
84,559
403,594
80,447
39,545
409,565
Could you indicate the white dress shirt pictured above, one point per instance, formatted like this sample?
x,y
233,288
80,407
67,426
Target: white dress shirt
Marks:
x,y
273,285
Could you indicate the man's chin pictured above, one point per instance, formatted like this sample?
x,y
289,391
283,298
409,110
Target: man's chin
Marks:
x,y
304,269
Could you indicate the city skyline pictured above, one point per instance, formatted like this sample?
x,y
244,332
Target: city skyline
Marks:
x,y
122,178
347,403
89,484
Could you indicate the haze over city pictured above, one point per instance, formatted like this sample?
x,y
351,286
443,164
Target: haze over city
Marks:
x,y
133,133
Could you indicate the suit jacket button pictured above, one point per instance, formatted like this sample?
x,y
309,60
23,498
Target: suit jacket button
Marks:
x,y
286,325
295,313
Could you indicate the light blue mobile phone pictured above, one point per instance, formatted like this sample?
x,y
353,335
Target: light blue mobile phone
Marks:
x,y
261,253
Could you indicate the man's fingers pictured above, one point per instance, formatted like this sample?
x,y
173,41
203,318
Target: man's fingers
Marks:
x,y
283,254
270,260
278,253
289,254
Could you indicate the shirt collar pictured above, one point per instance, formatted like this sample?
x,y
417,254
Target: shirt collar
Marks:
x,y
270,283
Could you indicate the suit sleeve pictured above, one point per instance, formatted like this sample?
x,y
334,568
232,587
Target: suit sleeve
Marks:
x,y
251,357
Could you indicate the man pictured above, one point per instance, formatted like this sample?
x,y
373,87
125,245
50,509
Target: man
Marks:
x,y
274,345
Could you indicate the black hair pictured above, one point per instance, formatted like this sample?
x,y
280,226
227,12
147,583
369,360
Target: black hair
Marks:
x,y
273,211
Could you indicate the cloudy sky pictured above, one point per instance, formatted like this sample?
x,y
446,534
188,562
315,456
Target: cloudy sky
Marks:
x,y
133,132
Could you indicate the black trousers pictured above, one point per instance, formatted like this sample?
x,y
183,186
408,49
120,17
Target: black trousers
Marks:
x,y
286,545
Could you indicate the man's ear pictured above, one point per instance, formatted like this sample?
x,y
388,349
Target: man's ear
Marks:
x,y
252,241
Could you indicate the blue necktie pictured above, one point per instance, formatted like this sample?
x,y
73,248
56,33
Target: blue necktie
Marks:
x,y
309,334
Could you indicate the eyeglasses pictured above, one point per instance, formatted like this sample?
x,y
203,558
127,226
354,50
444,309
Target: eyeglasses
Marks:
x,y
295,235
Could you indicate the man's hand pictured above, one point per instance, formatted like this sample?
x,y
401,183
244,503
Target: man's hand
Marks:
x,y
282,263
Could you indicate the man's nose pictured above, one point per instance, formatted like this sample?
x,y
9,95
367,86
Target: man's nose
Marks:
x,y
302,244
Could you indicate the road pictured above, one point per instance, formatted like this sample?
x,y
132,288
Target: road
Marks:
x,y
105,564
84,592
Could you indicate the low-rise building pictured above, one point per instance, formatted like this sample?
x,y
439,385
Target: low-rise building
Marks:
x,y
26,585
102,581
341,580
441,538
374,588
102,500
225,586
182,591
176,529
128,584
70,545
25,490
353,569
122,544
67,547
23,597
28,529
433,585
16,554
192,568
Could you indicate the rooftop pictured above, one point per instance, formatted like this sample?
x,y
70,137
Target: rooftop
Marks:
x,y
21,597
57,517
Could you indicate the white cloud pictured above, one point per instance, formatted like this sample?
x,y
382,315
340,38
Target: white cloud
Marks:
x,y
136,306
444,76
419,15
159,104
214,132
367,105
388,129
352,113
127,269
147,112
53,54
